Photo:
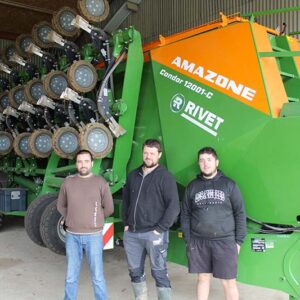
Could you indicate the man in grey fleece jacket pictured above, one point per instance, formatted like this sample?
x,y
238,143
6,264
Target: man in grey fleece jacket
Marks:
x,y
84,201
213,222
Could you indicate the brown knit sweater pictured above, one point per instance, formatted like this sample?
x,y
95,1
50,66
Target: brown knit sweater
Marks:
x,y
85,202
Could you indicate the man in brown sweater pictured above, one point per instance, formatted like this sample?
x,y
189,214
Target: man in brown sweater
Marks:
x,y
84,201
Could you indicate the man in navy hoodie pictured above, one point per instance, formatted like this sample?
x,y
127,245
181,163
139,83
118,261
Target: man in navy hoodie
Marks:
x,y
213,222
150,207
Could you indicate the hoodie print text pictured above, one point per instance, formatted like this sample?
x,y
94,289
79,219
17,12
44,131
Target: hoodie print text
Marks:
x,y
210,196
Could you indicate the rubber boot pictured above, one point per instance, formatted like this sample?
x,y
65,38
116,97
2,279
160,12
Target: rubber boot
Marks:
x,y
164,293
140,290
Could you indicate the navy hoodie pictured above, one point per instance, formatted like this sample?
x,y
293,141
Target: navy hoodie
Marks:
x,y
213,209
150,201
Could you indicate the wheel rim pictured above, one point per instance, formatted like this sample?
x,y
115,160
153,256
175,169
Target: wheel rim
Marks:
x,y
16,96
37,91
22,42
68,142
40,33
65,20
82,76
24,145
43,32
7,53
60,230
41,143
95,7
65,142
6,143
62,22
4,101
55,83
97,139
21,145
94,10
34,90
58,84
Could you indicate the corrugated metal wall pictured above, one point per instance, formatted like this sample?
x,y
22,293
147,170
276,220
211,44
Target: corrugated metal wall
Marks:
x,y
166,17
3,45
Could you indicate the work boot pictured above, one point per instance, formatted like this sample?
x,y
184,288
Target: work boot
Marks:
x,y
164,293
140,290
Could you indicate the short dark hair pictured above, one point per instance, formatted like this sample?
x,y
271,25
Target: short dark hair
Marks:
x,y
153,143
208,150
84,151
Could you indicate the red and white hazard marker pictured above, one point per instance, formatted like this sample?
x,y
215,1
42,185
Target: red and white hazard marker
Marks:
x,y
108,236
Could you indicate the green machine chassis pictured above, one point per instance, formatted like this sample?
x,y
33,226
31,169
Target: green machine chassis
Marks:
x,y
257,149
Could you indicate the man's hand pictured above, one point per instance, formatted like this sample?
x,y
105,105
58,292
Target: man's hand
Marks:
x,y
126,228
156,232
238,248
63,224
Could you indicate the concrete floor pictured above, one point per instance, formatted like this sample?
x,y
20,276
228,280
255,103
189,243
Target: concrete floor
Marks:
x,y
28,271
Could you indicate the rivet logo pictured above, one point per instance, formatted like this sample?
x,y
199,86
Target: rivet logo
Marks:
x,y
196,114
177,103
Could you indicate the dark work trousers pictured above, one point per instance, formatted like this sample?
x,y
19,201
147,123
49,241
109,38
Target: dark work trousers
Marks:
x,y
137,245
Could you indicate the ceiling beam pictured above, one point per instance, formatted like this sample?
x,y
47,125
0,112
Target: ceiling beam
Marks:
x,y
27,6
8,36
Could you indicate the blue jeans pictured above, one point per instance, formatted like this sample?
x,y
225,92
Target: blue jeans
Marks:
x,y
137,245
92,245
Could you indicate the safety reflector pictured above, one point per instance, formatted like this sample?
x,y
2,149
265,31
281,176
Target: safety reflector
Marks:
x,y
108,236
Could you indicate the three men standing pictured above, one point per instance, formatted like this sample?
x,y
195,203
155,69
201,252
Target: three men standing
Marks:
x,y
150,207
213,222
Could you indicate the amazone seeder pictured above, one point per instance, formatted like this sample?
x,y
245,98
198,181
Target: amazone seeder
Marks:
x,y
232,84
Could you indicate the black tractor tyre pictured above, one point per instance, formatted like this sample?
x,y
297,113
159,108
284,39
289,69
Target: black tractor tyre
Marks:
x,y
1,220
52,230
34,214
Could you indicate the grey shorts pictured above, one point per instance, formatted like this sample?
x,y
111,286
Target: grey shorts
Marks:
x,y
216,257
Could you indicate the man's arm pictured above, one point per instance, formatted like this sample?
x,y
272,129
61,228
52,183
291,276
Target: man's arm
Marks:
x,y
107,200
171,200
186,216
125,204
62,203
239,214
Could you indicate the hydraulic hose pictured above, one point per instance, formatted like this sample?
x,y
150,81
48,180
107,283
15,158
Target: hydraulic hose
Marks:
x,y
47,117
71,113
8,124
273,228
105,110
29,122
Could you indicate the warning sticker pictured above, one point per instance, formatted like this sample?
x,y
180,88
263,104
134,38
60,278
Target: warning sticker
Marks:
x,y
258,245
